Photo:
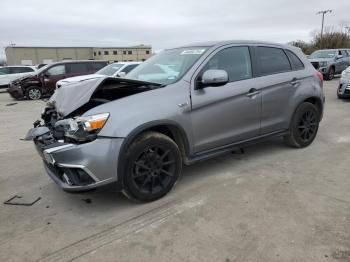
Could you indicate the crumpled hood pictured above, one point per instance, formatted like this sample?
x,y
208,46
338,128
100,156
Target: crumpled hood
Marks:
x,y
78,79
68,98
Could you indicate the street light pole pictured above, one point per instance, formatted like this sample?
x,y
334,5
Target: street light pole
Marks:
x,y
323,12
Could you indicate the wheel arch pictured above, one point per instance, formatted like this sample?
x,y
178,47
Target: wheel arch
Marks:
x,y
167,127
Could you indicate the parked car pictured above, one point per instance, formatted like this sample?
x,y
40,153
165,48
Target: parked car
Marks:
x,y
113,70
10,73
330,62
137,134
43,82
344,84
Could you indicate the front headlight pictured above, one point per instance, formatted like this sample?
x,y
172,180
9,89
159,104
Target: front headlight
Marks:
x,y
92,123
323,64
82,128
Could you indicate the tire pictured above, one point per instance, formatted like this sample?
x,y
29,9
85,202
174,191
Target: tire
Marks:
x,y
33,93
152,167
304,126
330,74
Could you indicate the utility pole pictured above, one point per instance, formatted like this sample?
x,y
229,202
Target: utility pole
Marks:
x,y
348,28
323,12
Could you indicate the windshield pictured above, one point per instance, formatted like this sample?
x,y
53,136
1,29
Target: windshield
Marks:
x,y
109,70
168,66
323,54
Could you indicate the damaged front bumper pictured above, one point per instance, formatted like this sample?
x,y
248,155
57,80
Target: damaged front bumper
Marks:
x,y
78,167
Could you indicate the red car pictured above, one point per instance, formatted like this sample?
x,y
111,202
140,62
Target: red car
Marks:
x,y
43,82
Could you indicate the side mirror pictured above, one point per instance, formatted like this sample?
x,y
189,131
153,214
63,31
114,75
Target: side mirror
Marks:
x,y
214,77
338,57
121,74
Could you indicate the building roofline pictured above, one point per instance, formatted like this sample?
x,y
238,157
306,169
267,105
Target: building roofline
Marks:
x,y
109,47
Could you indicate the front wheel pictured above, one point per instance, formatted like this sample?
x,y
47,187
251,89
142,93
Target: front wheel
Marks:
x,y
153,165
33,93
330,74
304,126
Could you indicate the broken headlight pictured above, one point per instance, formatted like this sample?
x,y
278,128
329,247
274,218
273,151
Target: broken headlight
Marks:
x,y
83,128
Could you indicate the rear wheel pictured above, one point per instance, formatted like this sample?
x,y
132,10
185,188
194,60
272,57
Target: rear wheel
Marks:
x,y
33,93
330,74
153,165
304,126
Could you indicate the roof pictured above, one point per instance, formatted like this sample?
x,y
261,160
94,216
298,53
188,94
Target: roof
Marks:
x,y
227,42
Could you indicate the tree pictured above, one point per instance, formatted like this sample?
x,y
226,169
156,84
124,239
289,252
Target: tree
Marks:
x,y
331,39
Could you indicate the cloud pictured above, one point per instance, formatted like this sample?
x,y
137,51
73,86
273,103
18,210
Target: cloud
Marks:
x,y
161,23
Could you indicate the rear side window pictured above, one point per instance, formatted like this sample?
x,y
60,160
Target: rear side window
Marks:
x,y
128,68
17,70
97,66
4,71
234,60
272,60
294,59
77,68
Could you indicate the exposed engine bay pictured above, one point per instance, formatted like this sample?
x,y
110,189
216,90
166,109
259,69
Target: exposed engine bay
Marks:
x,y
63,113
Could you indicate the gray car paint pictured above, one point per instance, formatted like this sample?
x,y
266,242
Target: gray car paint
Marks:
x,y
210,118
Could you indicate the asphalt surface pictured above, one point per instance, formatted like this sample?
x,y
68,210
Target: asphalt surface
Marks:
x,y
272,203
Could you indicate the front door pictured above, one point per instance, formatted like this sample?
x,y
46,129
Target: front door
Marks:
x,y
51,76
229,113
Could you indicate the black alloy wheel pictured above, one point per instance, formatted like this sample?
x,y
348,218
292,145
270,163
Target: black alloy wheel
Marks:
x,y
304,126
152,168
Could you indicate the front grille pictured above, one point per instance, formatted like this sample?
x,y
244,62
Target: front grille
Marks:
x,y
316,65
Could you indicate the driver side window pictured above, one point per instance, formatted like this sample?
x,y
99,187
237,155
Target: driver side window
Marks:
x,y
234,60
56,70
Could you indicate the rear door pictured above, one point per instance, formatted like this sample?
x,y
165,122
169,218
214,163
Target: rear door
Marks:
x,y
229,113
278,82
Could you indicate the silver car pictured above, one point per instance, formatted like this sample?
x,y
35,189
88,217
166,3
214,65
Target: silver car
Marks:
x,y
181,106
344,84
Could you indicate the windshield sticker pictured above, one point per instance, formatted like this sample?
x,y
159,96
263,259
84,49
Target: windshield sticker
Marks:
x,y
193,52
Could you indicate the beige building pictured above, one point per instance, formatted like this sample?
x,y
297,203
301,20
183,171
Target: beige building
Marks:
x,y
27,55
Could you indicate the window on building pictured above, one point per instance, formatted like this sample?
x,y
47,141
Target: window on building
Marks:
x,y
99,52
234,60
94,53
124,52
106,53
147,52
272,60
129,52
115,52
296,63
143,60
56,70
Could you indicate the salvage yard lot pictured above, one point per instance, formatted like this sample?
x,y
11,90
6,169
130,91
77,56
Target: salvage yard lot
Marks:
x,y
272,203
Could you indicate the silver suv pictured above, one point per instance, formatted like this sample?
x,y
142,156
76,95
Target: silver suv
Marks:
x,y
183,105
330,61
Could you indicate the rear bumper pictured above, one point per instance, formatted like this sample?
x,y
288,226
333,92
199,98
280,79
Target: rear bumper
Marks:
x,y
81,167
15,91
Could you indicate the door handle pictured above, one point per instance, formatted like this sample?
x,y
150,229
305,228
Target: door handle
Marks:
x,y
252,93
294,82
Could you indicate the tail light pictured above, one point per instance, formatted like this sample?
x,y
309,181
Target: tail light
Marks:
x,y
320,76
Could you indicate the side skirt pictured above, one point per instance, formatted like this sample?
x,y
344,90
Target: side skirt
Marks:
x,y
203,155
